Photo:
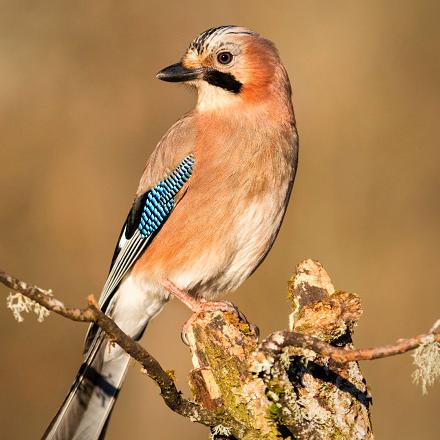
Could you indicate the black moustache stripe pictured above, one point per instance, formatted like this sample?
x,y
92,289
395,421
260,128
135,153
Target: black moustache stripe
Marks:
x,y
224,80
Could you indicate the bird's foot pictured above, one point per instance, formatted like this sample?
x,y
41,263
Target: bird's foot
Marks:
x,y
202,305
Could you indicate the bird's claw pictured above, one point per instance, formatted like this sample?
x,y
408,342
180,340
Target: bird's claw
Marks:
x,y
204,306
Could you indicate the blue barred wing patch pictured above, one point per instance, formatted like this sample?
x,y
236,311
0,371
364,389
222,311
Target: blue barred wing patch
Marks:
x,y
148,214
160,200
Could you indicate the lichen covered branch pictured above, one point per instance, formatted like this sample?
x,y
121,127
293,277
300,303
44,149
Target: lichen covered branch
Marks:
x,y
302,383
46,299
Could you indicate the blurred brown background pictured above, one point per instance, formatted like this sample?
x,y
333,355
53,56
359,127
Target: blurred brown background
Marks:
x,y
80,111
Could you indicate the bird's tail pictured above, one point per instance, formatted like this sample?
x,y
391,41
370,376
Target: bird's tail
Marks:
x,y
86,410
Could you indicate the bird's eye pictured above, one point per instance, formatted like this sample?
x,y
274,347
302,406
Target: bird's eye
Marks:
x,y
224,57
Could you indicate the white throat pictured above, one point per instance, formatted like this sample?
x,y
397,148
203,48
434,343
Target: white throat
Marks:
x,y
214,98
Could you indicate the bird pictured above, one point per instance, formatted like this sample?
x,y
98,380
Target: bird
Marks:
x,y
207,210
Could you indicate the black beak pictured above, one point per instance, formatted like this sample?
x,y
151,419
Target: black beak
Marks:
x,y
179,73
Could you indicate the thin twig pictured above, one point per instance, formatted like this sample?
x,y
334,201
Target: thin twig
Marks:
x,y
169,392
275,343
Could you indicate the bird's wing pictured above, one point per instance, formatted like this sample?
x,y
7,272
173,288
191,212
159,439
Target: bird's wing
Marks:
x,y
168,168
149,212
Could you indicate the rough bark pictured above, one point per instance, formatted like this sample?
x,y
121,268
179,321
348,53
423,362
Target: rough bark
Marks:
x,y
270,391
332,400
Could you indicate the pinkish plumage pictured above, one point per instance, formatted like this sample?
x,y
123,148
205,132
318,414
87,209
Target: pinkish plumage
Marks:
x,y
226,216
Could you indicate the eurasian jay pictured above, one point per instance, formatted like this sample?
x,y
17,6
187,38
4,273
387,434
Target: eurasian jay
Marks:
x,y
207,210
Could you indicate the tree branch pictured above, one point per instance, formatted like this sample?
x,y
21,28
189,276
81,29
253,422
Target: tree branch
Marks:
x,y
257,390
93,314
274,344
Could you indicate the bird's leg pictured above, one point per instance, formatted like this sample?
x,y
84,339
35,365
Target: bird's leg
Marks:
x,y
203,305
191,302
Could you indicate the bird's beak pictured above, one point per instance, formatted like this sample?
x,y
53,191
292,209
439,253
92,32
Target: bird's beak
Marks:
x,y
179,73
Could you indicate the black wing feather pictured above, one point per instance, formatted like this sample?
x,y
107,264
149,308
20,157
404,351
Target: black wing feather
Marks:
x,y
131,224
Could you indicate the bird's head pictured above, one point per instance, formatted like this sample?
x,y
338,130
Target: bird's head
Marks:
x,y
229,64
